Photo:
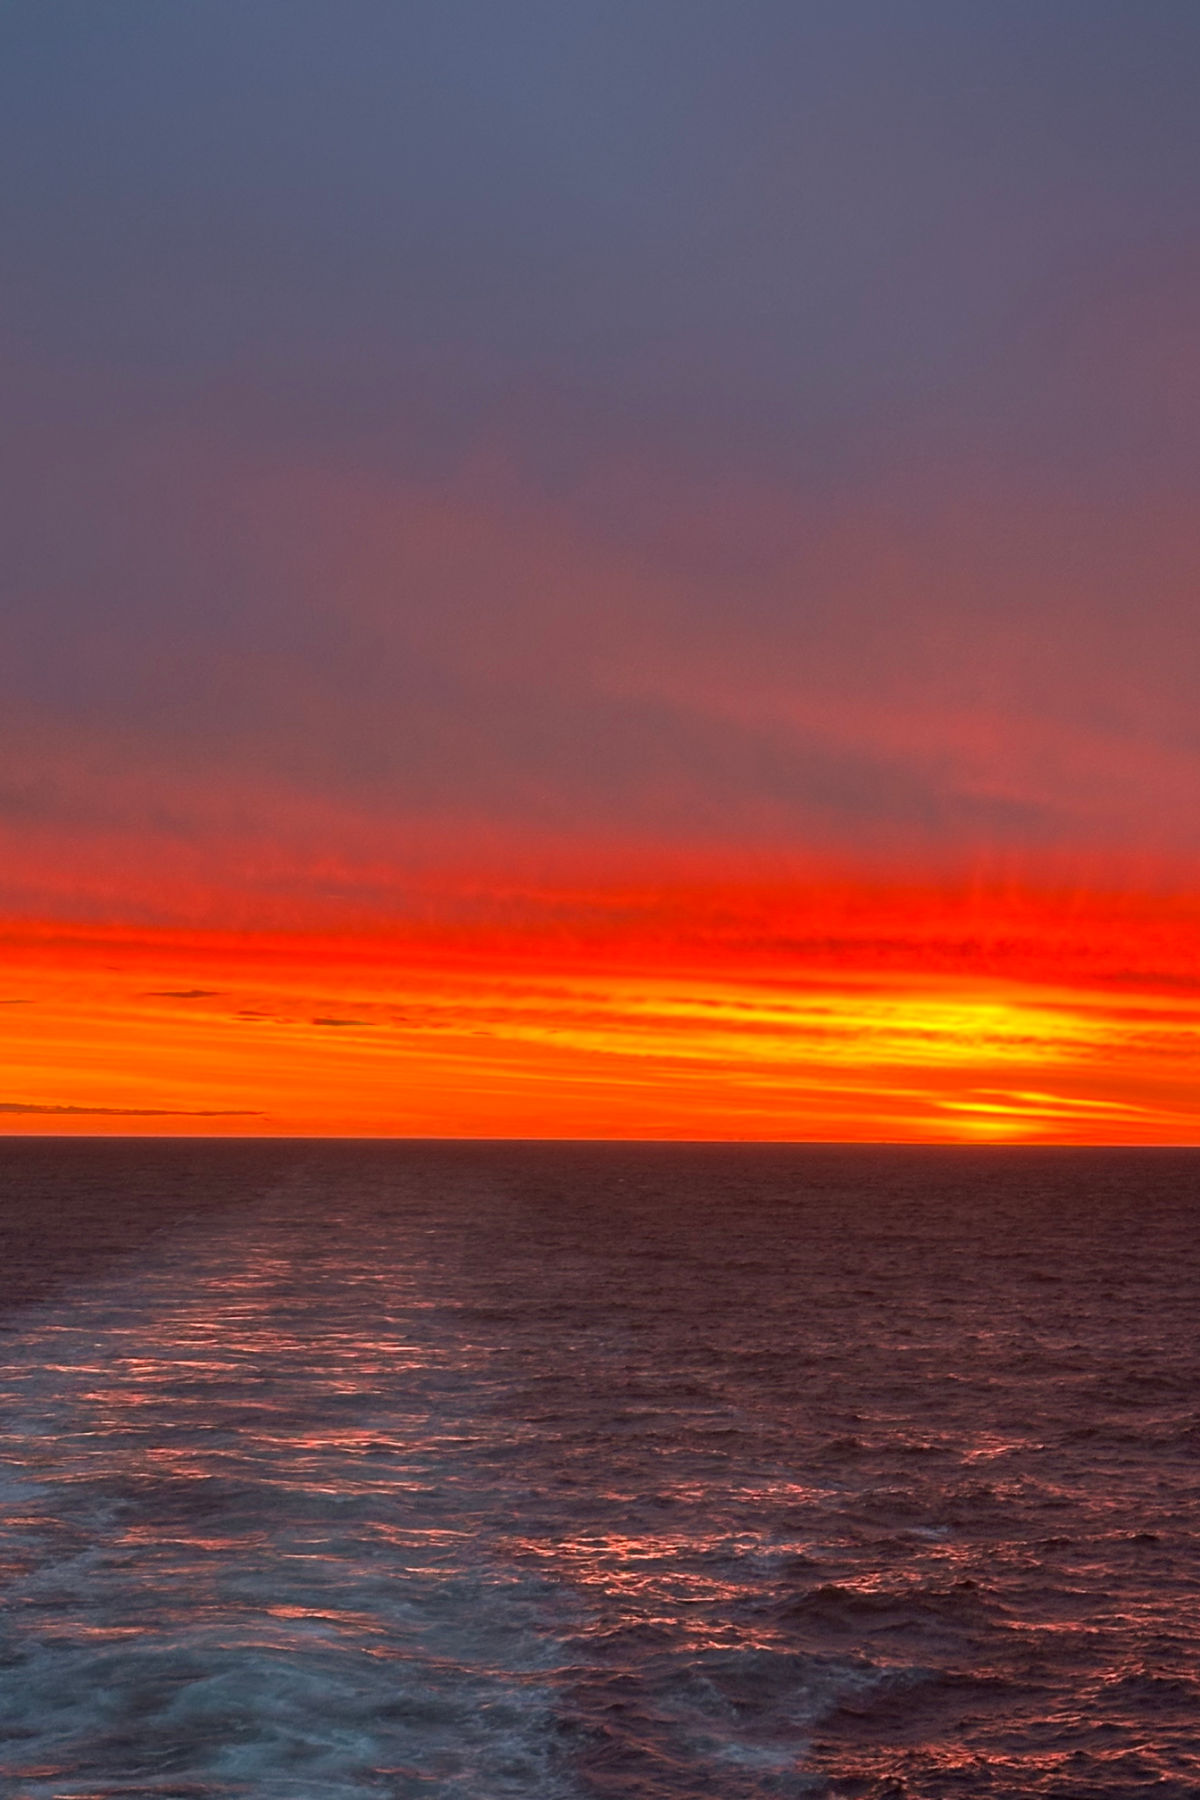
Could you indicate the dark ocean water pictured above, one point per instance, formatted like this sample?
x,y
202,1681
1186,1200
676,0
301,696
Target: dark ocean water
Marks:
x,y
576,1473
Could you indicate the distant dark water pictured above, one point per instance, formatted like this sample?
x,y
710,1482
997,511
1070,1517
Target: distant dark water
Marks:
x,y
581,1473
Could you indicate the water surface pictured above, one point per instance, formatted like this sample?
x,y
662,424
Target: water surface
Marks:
x,y
578,1472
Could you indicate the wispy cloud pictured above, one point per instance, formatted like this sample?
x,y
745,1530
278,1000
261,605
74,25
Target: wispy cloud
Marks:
x,y
182,994
126,1112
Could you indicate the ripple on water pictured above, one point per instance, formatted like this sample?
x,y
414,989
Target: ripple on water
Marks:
x,y
558,1472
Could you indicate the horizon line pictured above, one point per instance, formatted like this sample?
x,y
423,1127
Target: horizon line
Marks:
x,y
743,1143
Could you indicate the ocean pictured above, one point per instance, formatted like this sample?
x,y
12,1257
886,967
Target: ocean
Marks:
x,y
598,1472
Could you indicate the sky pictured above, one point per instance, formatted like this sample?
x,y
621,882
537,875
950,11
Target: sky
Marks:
x,y
610,569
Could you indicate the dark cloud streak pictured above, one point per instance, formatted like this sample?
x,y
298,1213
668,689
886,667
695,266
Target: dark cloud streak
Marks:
x,y
126,1112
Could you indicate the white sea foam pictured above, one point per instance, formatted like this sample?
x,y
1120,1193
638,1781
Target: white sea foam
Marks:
x,y
239,1564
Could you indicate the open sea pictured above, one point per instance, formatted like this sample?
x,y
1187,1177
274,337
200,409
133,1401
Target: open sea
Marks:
x,y
584,1472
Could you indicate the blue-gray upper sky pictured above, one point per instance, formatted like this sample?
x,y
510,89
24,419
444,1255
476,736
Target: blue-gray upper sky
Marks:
x,y
681,424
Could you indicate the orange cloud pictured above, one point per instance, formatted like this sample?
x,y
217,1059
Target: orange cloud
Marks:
x,y
838,1014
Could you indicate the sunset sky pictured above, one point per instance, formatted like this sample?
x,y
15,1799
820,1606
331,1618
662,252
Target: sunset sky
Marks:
x,y
610,569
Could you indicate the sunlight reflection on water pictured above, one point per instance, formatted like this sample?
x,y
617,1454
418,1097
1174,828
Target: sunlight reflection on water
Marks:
x,y
648,1474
